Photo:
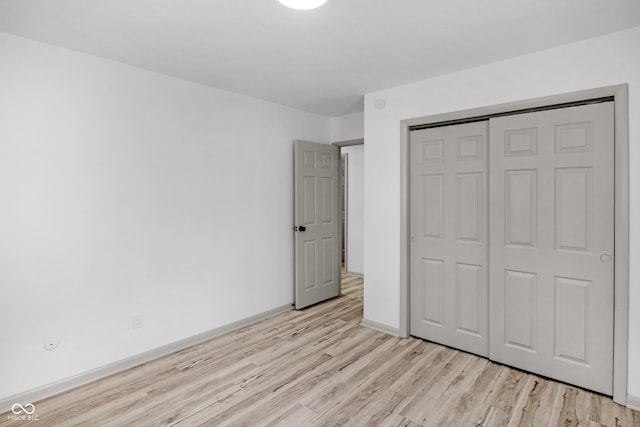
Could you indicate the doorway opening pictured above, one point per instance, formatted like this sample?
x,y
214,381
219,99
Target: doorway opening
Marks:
x,y
319,252
352,206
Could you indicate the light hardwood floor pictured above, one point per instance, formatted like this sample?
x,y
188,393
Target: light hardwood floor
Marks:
x,y
319,367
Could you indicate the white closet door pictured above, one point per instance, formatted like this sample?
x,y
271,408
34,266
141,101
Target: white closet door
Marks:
x,y
552,228
449,236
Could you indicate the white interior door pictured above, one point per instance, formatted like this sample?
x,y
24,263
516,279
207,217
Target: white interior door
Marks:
x,y
519,266
317,222
551,251
449,236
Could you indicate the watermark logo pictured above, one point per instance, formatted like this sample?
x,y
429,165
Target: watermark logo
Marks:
x,y
18,409
23,412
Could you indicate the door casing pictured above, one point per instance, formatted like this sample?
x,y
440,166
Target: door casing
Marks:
x,y
344,197
619,93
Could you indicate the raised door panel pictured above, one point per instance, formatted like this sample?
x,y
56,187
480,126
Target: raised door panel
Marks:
x,y
574,209
433,205
310,264
572,302
469,301
520,300
469,207
432,151
327,261
327,199
521,142
309,200
432,275
521,207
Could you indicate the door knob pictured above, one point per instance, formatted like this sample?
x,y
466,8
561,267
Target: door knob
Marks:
x,y
606,258
302,228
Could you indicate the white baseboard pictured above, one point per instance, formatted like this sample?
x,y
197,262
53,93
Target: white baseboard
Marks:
x,y
353,273
57,387
633,402
380,327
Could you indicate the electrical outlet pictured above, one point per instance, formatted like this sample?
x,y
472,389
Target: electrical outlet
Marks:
x,y
136,321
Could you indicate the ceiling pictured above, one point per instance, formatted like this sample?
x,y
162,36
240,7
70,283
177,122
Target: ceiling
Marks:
x,y
322,61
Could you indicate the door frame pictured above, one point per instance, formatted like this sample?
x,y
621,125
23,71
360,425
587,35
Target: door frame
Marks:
x,y
344,195
619,94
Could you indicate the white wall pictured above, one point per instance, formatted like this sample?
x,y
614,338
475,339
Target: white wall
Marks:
x,y
602,61
124,191
347,127
355,206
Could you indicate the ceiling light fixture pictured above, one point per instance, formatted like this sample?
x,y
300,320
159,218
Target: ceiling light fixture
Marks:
x,y
303,4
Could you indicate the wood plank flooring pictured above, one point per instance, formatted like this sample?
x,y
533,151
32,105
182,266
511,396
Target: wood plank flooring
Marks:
x,y
319,367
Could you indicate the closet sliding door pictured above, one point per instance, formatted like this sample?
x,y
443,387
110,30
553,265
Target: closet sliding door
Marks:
x,y
512,237
449,236
551,244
